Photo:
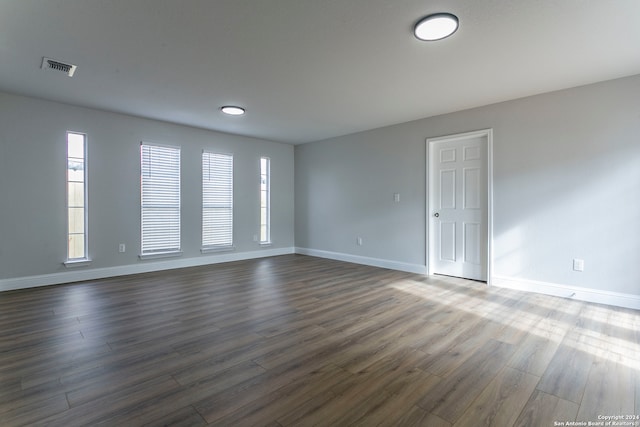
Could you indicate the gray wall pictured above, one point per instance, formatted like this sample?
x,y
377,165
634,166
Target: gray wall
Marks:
x,y
566,185
32,185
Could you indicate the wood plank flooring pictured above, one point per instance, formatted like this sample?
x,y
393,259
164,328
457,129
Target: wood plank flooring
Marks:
x,y
301,341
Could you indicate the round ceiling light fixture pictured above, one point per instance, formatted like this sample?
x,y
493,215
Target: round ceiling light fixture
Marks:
x,y
232,110
437,26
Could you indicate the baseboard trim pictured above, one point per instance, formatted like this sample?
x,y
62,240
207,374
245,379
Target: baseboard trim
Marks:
x,y
566,291
582,294
357,259
141,267
616,299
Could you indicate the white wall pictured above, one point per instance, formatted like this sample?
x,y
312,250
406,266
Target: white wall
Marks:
x,y
32,191
566,185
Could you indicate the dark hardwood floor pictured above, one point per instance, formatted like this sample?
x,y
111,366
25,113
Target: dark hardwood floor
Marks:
x,y
300,341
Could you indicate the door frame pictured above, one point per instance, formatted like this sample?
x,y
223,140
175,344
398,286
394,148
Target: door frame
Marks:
x,y
488,133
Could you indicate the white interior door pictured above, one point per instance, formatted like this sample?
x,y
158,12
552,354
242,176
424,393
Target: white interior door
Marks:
x,y
458,201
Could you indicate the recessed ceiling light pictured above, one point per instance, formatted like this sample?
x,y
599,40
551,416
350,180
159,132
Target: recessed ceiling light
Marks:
x,y
436,27
232,110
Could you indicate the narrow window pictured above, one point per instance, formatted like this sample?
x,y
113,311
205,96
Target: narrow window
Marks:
x,y
76,197
217,201
160,199
265,200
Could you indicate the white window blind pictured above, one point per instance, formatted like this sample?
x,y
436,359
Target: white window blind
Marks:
x,y
217,200
160,186
265,200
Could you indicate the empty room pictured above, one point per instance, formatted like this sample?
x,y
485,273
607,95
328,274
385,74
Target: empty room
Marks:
x,y
319,213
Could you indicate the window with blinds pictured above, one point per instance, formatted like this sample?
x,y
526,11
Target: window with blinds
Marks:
x,y
217,200
265,200
160,199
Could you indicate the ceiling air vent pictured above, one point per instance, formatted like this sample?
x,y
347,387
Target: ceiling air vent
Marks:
x,y
52,64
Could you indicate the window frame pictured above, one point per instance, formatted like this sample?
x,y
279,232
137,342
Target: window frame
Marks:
x,y
166,251
205,240
84,259
266,175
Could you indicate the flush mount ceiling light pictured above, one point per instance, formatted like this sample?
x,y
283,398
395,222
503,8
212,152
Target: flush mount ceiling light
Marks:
x,y
436,27
232,110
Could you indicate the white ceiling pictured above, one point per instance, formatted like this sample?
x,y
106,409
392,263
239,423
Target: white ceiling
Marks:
x,y
307,70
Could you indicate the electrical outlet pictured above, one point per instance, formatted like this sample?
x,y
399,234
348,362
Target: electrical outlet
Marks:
x,y
396,197
359,241
578,264
122,248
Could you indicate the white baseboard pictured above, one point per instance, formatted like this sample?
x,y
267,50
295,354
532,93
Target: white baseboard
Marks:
x,y
357,259
583,294
567,291
77,275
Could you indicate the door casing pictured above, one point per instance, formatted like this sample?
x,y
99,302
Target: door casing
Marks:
x,y
488,133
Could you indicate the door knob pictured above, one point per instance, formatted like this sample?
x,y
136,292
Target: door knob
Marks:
x,y
436,214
